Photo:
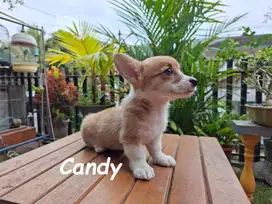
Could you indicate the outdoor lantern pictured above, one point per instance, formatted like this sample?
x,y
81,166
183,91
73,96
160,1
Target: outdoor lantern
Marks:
x,y
23,52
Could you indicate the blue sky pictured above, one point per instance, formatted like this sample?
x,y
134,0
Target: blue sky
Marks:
x,y
55,14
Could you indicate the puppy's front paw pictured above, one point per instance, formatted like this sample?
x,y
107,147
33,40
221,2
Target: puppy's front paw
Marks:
x,y
143,172
164,160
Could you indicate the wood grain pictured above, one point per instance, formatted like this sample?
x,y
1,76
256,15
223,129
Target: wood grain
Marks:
x,y
26,173
115,191
18,136
77,187
47,181
22,160
156,190
188,184
202,175
223,184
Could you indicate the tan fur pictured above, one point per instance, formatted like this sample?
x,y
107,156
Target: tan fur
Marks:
x,y
142,116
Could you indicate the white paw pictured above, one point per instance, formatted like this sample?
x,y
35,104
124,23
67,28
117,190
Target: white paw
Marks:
x,y
99,149
164,160
143,172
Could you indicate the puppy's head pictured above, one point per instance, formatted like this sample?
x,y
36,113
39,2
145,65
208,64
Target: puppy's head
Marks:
x,y
158,76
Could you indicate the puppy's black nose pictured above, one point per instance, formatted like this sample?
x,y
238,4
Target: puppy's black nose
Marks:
x,y
193,81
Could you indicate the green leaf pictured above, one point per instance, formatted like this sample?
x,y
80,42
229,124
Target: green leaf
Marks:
x,y
200,131
180,132
173,125
225,131
243,117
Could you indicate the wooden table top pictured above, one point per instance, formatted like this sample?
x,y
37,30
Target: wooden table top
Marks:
x,y
202,175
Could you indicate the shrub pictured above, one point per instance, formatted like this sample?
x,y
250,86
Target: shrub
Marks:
x,y
63,96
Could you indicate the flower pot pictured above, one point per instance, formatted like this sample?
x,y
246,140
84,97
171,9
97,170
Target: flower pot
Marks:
x,y
86,109
262,115
268,149
60,128
29,68
228,151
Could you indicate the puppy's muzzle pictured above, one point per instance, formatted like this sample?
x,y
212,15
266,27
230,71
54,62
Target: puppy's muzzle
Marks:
x,y
193,81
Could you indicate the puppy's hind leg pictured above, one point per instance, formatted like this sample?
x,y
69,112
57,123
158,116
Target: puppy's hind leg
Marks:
x,y
98,149
91,143
87,133
137,161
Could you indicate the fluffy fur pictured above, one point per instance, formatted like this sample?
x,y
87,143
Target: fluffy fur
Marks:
x,y
142,117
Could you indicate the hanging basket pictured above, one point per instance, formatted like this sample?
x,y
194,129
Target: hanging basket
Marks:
x,y
30,68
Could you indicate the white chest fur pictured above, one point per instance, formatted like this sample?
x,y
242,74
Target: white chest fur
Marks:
x,y
155,123
160,119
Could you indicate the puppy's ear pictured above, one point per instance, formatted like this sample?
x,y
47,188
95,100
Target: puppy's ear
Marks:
x,y
128,67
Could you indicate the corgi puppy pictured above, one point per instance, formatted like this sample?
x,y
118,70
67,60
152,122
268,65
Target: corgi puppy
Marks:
x,y
142,117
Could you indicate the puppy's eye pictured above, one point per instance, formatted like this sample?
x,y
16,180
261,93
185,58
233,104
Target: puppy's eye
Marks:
x,y
169,71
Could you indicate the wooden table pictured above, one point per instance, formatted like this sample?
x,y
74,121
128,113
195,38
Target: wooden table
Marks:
x,y
202,175
250,134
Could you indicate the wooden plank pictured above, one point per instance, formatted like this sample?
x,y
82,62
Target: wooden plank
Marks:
x,y
156,190
24,174
47,181
76,188
12,130
115,191
188,185
18,136
22,160
223,184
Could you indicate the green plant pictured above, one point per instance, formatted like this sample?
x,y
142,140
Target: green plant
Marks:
x,y
257,64
80,45
86,99
262,194
186,113
63,96
60,115
174,128
220,126
261,66
229,50
170,27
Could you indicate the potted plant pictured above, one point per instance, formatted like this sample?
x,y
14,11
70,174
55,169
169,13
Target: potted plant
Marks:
x,y
219,126
259,76
87,105
257,66
63,97
258,72
79,45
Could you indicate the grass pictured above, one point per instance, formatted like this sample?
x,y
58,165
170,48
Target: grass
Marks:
x,y
263,193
